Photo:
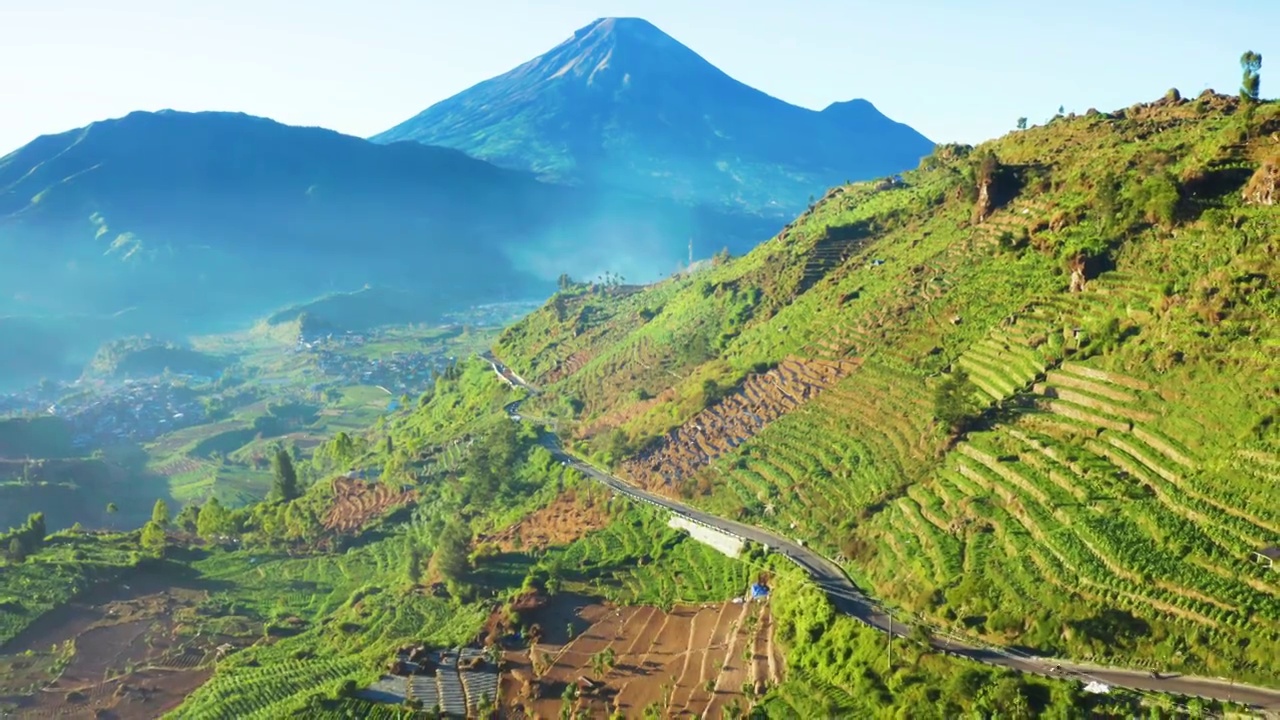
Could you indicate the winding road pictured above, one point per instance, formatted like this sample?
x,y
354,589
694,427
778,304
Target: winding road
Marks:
x,y
846,598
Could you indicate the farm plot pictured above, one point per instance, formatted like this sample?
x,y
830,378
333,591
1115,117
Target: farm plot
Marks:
x,y
179,466
1081,503
729,423
831,460
563,521
131,656
357,503
690,662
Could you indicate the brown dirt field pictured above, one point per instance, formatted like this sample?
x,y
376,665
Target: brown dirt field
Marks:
x,y
677,653
721,427
179,467
357,503
569,517
130,660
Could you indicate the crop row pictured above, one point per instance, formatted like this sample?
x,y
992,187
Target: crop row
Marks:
x,y
262,692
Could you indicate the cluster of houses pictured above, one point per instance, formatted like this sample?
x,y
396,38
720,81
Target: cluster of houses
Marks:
x,y
134,411
19,404
399,373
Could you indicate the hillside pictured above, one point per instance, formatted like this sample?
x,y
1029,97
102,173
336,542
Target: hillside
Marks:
x,y
621,103
1028,392
189,223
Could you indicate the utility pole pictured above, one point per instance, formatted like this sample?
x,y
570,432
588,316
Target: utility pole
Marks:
x,y
690,251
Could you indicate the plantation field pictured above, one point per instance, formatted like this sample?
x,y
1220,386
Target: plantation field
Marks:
x,y
690,661
1025,394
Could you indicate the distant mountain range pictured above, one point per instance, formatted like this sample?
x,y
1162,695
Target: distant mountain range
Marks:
x,y
623,104
178,223
619,147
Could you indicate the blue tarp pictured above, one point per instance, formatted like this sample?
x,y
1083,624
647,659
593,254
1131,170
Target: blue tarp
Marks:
x,y
759,591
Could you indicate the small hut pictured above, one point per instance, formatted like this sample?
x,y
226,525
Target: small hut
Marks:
x,y
1268,556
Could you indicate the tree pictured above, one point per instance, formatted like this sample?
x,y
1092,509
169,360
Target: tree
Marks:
x,y
285,487
187,518
391,445
954,403
564,282
1250,85
212,520
414,569
160,513
1022,123
451,551
17,553
112,509
153,538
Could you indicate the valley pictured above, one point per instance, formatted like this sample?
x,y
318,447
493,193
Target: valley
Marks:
x,y
99,451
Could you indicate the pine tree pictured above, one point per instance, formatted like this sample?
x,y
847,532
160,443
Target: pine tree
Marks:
x,y
212,519
285,488
414,569
153,538
160,513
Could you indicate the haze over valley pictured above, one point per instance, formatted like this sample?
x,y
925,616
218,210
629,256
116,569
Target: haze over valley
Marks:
x,y
181,224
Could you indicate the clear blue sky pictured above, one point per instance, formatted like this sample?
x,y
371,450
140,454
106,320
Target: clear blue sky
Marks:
x,y
955,70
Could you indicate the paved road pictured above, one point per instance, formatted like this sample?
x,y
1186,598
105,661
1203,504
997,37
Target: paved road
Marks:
x,y
848,599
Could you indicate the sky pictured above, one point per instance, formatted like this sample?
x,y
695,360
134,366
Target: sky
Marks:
x,y
956,71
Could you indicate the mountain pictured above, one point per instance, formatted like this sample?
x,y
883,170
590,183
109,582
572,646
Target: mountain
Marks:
x,y
621,103
1029,392
176,222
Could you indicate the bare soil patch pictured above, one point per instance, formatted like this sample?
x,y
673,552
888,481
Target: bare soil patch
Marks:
x,y
569,517
717,430
358,503
691,661
121,652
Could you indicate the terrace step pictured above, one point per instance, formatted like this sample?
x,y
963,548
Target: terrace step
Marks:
x,y
1103,376
1093,403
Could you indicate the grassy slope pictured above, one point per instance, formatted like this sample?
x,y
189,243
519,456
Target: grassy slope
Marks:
x,y
350,608
1088,514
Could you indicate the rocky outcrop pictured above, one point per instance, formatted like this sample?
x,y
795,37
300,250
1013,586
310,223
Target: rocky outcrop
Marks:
x,y
1261,189
1078,279
983,207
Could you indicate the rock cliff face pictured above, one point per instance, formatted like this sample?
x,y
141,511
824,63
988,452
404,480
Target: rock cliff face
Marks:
x,y
1262,189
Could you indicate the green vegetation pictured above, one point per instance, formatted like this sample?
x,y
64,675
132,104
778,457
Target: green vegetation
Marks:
x,y
147,357
54,570
638,560
1027,392
838,668
1020,396
37,437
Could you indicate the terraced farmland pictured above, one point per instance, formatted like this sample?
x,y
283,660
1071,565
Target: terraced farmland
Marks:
x,y
1083,494
690,662
270,691
718,429
819,467
357,503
